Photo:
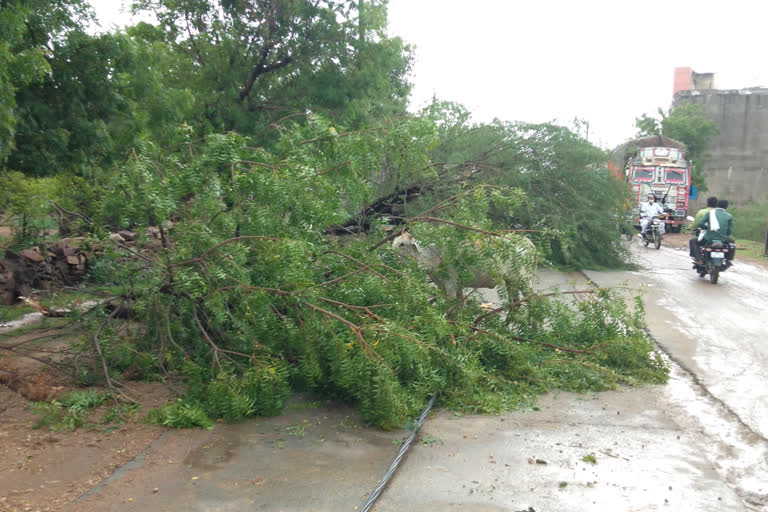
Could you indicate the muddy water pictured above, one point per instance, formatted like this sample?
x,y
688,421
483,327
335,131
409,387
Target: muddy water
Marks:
x,y
28,319
32,318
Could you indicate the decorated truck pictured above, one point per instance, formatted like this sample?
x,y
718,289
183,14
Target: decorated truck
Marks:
x,y
663,171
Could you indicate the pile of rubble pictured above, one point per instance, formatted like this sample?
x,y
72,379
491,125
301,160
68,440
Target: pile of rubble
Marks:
x,y
41,268
63,263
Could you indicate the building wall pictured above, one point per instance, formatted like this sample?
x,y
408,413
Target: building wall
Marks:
x,y
682,80
736,167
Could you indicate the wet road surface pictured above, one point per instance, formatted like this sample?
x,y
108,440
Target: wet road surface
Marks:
x,y
716,336
695,444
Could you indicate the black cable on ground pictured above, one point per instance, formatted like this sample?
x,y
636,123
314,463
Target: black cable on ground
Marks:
x,y
398,458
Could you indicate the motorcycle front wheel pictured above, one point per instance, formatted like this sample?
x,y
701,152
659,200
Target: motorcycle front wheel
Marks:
x,y
657,241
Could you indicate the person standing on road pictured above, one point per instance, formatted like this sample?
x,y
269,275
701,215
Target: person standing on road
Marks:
x,y
648,211
694,249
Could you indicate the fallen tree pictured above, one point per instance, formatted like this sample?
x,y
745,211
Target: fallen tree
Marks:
x,y
249,298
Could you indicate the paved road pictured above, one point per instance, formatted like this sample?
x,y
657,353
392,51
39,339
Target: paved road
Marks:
x,y
695,444
718,332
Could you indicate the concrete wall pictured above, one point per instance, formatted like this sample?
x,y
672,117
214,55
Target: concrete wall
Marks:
x,y
737,164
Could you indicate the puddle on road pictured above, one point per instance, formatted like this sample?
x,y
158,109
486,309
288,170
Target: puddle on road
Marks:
x,y
25,320
715,363
31,318
738,454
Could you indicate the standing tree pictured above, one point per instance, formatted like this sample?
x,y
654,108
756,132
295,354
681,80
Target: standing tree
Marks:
x,y
28,27
687,123
253,62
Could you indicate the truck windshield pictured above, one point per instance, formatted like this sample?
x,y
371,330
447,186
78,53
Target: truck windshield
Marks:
x,y
674,176
643,174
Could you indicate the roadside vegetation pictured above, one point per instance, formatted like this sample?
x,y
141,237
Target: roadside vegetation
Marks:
x,y
262,179
751,222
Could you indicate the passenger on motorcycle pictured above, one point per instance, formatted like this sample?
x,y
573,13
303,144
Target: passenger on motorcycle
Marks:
x,y
723,203
694,249
718,224
648,211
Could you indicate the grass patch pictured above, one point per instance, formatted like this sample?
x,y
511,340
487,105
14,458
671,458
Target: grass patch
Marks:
x,y
750,249
750,221
69,412
10,313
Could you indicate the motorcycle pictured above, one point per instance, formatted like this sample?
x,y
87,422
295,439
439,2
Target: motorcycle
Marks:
x,y
714,259
654,233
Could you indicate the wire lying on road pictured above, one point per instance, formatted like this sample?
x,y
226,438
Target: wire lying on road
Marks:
x,y
398,458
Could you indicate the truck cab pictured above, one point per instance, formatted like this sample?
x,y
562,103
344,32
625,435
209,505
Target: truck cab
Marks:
x,y
666,173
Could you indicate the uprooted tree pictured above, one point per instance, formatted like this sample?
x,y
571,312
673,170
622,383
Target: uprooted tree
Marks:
x,y
249,296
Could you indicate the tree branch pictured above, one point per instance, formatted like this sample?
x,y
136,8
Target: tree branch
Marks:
x,y
200,258
525,340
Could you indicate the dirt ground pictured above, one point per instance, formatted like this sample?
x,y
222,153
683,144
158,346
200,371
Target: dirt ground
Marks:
x,y
44,470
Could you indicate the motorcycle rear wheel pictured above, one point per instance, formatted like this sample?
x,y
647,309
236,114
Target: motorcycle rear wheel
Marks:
x,y
645,242
714,275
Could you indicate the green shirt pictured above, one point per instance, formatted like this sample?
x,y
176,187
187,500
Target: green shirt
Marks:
x,y
697,218
725,220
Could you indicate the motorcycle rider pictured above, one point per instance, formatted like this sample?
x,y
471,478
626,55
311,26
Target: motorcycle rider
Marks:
x,y
694,249
723,203
648,211
718,224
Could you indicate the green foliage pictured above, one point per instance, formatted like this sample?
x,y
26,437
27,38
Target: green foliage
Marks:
x,y
28,28
254,301
258,391
83,399
9,313
647,125
570,196
28,205
120,413
751,221
51,414
180,415
689,124
252,63
244,130
25,204
68,413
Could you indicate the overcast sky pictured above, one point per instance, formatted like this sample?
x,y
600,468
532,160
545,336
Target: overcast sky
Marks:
x,y
604,61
